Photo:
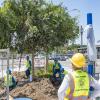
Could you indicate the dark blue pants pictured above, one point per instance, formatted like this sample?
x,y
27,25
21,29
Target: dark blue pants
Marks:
x,y
27,72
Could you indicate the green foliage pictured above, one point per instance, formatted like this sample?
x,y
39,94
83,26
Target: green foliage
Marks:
x,y
35,23
50,67
4,28
73,47
38,25
41,72
59,27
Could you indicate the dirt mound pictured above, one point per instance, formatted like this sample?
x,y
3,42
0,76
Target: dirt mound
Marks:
x,y
40,89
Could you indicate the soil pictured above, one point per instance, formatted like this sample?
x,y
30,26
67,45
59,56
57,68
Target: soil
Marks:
x,y
39,89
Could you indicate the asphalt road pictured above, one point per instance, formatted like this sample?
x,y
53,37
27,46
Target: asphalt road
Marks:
x,y
66,64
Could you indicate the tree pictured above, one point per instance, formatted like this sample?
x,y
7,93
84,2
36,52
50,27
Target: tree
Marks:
x,y
4,27
57,27
26,14
51,27
38,25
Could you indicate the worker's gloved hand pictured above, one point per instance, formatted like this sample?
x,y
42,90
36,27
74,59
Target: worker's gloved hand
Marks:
x,y
91,88
91,92
61,69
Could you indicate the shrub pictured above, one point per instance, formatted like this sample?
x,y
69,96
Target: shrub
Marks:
x,y
50,67
41,72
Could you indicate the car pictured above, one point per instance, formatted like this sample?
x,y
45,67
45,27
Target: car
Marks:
x,y
62,58
66,57
51,57
70,54
56,57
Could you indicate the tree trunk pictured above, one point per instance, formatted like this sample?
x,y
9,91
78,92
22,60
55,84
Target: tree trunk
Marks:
x,y
20,61
33,64
12,62
46,67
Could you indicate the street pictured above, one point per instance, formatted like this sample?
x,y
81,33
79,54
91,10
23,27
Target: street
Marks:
x,y
65,64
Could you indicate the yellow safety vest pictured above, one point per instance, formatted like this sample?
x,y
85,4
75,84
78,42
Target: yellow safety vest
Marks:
x,y
81,84
27,64
10,83
31,71
57,66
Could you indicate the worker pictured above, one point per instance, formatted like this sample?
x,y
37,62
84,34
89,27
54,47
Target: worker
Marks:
x,y
56,68
28,67
12,82
76,84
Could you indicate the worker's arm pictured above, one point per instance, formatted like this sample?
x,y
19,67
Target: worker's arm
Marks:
x,y
59,65
64,86
96,85
13,80
53,68
30,63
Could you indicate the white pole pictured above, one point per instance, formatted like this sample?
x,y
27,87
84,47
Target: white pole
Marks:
x,y
8,74
2,67
12,62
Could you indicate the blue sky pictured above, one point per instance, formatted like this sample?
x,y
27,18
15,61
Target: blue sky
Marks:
x,y
85,6
1,1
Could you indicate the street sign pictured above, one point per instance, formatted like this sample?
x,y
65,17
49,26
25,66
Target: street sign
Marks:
x,y
39,61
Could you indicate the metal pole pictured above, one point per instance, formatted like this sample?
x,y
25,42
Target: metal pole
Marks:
x,y
81,36
8,74
91,66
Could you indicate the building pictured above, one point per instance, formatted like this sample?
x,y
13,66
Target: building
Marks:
x,y
84,51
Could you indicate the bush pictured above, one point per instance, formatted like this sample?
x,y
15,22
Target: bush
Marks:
x,y
41,72
50,67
